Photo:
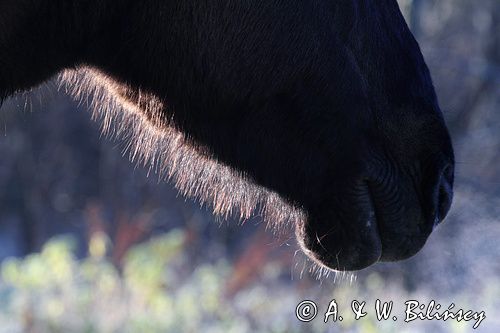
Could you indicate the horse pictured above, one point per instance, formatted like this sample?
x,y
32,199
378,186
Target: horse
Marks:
x,y
320,115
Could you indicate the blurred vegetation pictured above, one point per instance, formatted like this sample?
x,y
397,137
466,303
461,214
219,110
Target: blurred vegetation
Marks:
x,y
157,290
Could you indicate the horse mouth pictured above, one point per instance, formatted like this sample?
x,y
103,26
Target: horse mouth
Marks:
x,y
369,233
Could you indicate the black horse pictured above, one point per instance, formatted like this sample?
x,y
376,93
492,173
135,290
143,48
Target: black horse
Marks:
x,y
319,113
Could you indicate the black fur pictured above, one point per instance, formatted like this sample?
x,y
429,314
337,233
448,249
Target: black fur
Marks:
x,y
322,112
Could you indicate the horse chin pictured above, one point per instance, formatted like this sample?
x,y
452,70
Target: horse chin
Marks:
x,y
341,248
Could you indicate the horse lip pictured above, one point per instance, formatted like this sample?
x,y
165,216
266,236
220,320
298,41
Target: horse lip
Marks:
x,y
378,219
362,249
373,207
367,251
398,243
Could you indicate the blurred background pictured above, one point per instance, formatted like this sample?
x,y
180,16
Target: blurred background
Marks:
x,y
89,242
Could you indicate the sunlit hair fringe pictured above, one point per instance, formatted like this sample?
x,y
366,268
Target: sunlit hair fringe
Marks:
x,y
159,146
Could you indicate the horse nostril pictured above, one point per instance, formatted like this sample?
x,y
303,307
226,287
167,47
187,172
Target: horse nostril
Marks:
x,y
445,194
